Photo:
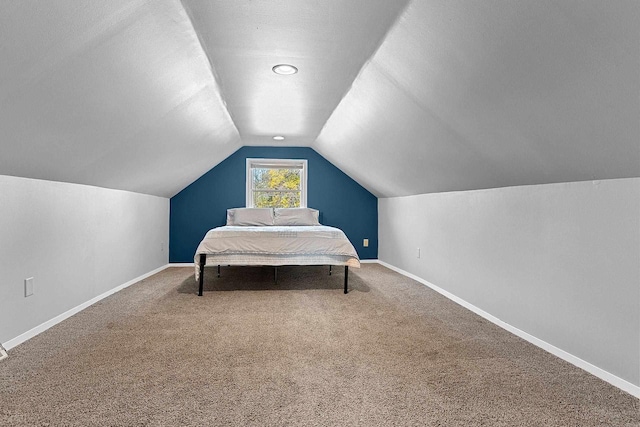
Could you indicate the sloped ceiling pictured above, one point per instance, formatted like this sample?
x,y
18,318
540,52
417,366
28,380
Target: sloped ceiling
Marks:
x,y
478,94
407,97
115,93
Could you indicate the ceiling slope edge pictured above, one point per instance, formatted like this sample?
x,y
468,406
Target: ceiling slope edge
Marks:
x,y
324,150
366,63
212,67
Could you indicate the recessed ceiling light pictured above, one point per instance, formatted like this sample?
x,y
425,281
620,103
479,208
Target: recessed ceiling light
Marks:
x,y
278,137
285,69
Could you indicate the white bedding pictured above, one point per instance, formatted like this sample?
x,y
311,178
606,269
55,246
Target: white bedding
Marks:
x,y
276,245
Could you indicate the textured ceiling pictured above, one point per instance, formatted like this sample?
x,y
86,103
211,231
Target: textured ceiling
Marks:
x,y
116,94
479,94
405,97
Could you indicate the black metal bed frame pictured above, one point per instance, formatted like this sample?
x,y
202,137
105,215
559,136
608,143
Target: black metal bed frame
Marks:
x,y
203,261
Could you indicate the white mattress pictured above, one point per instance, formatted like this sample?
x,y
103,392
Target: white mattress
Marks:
x,y
276,245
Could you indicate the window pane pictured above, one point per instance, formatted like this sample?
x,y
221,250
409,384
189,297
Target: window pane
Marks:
x,y
260,179
276,179
276,199
276,182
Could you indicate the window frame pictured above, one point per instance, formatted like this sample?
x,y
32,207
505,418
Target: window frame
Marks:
x,y
253,163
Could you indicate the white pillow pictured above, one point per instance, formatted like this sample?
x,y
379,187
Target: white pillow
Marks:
x,y
250,216
296,216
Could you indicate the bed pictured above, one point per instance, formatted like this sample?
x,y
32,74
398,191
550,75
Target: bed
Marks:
x,y
274,237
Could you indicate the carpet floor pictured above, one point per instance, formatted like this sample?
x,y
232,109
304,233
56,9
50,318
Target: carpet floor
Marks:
x,y
298,353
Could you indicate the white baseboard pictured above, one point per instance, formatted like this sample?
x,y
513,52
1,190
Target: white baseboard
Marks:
x,y
369,261
622,384
51,322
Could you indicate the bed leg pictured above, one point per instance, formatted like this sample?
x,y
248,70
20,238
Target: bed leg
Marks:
x,y
203,260
346,279
329,270
275,274
218,270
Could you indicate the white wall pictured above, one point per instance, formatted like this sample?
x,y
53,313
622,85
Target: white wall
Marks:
x,y
76,241
560,262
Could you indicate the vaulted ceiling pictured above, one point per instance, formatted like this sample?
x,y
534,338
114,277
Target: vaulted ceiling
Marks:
x,y
407,97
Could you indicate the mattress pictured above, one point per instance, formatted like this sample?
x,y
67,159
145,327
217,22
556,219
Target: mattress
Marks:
x,y
276,245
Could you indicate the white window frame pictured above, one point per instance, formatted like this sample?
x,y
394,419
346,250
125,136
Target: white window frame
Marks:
x,y
277,163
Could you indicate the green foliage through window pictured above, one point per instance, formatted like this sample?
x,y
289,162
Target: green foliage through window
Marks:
x,y
276,187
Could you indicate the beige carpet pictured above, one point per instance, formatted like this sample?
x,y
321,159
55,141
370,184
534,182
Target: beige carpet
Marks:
x,y
300,353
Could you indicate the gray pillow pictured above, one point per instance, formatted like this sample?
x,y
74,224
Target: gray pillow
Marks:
x,y
296,216
250,216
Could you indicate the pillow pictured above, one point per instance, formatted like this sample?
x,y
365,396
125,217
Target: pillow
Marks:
x,y
296,216
250,216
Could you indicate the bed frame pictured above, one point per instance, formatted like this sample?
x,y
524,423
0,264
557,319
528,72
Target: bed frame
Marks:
x,y
203,261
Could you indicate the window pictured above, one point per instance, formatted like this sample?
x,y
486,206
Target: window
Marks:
x,y
276,183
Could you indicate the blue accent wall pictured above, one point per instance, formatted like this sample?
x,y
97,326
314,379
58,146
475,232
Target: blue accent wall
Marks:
x,y
203,205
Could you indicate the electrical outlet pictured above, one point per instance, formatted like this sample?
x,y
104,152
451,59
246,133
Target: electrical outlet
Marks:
x,y
28,287
365,243
418,252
